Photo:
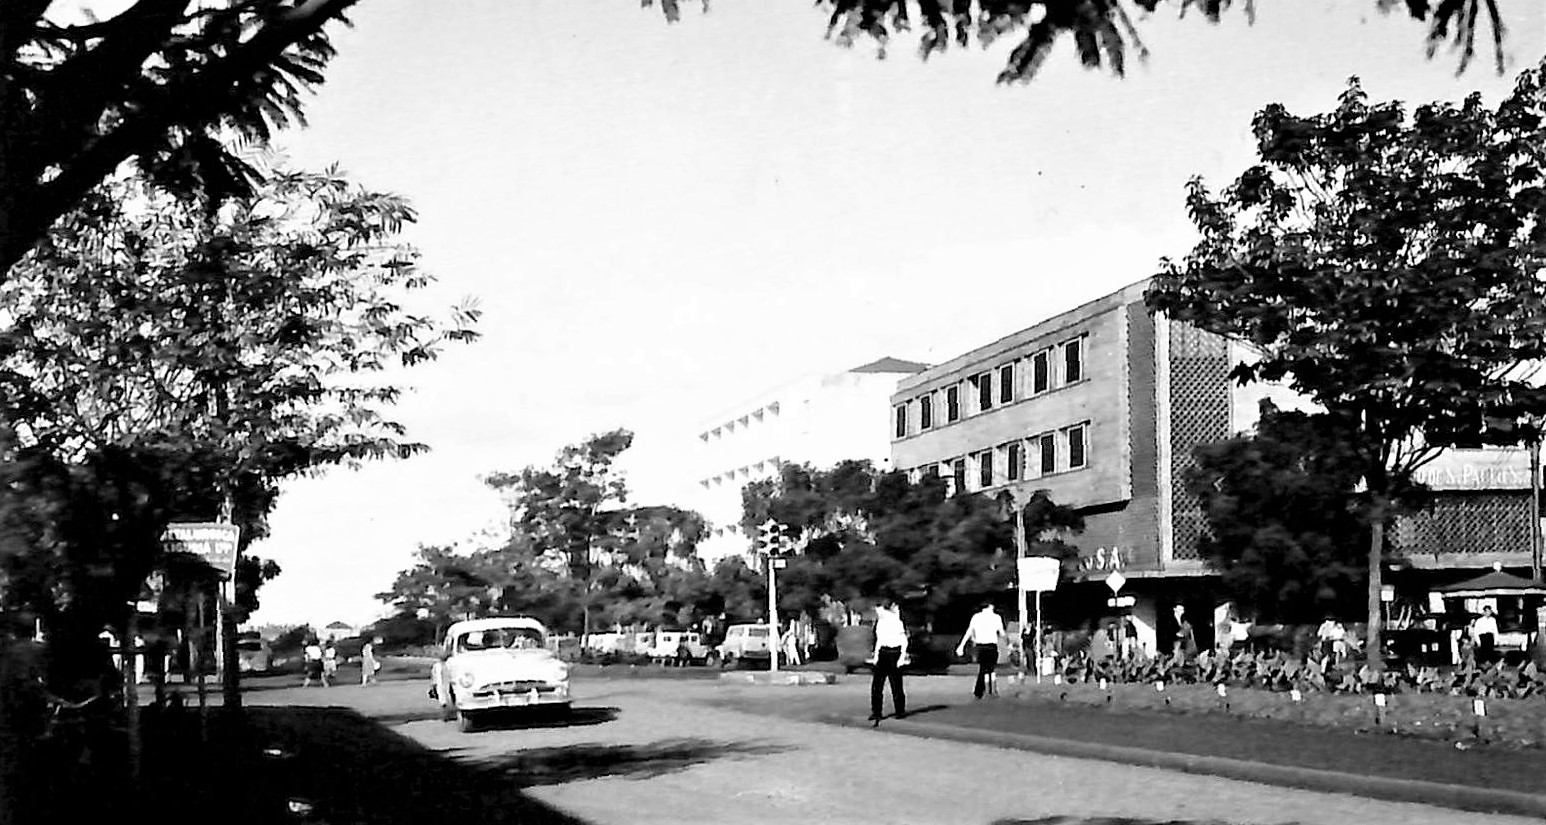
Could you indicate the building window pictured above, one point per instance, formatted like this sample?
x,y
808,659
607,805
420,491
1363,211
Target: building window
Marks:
x,y
1012,459
985,470
952,403
1041,374
1006,383
901,420
958,474
1075,436
1073,360
925,412
984,391
1049,453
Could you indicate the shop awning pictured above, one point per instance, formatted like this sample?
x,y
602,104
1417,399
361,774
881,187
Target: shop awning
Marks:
x,y
1494,583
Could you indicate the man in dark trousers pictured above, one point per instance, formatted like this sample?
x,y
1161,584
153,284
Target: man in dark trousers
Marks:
x,y
888,659
985,634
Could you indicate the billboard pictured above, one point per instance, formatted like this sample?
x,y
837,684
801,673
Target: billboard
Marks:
x,y
213,543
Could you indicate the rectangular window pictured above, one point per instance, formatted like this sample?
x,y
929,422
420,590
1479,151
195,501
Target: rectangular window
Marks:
x,y
1006,383
985,469
1073,360
925,412
1049,453
1012,461
1041,374
1075,436
985,391
953,403
958,474
901,420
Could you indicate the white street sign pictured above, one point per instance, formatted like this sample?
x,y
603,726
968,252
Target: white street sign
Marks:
x,y
1038,573
1121,601
1115,581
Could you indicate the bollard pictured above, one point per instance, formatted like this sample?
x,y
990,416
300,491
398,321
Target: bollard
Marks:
x,y
1224,695
1379,707
1478,712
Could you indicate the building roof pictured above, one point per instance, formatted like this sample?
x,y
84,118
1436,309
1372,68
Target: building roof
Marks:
x,y
1493,583
889,364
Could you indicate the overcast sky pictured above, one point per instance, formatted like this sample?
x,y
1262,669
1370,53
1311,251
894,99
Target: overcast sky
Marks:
x,y
662,220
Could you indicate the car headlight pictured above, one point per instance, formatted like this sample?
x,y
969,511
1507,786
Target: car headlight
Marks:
x,y
465,680
561,673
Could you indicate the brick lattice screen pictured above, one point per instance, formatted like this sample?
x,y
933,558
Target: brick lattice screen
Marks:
x,y
1199,414
1467,524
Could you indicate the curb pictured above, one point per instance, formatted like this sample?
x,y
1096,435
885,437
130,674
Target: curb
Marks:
x,y
1461,797
792,677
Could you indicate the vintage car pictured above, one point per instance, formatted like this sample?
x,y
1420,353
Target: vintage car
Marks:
x,y
496,664
669,645
253,655
745,643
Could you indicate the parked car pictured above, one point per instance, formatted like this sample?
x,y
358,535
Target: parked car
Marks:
x,y
668,644
494,664
744,642
253,656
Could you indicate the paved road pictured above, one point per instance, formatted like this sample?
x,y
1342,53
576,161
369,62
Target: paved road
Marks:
x,y
661,751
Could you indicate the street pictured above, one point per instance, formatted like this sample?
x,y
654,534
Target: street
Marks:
x,y
658,750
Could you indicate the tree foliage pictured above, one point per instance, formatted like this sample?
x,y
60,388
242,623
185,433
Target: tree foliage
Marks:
x,y
1284,535
160,360
1388,266
163,81
1103,32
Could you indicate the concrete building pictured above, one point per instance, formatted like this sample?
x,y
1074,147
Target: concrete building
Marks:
x,y
818,419
1102,406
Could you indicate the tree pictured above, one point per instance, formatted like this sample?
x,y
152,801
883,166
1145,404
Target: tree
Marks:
x,y
252,572
1282,535
1388,266
442,587
162,361
1103,31
160,81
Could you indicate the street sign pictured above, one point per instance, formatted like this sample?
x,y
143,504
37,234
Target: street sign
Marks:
x,y
1121,601
211,542
780,564
1115,581
1038,573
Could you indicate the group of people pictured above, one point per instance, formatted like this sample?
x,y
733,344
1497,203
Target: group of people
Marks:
x,y
321,662
985,637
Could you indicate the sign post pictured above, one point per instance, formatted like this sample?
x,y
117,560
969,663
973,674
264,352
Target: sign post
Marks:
x,y
214,544
1037,573
1115,582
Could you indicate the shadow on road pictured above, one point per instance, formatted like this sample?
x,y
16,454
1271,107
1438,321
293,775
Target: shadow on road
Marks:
x,y
556,766
527,720
1107,820
351,769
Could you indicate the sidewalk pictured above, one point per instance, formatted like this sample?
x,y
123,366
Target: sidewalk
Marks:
x,y
1486,779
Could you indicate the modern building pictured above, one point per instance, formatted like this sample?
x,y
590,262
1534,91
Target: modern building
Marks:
x,y
819,419
1102,406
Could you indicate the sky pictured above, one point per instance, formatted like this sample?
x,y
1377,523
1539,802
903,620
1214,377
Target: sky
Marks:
x,y
659,221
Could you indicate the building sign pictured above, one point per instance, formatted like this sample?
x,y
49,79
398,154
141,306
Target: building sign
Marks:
x,y
1503,469
1106,559
213,543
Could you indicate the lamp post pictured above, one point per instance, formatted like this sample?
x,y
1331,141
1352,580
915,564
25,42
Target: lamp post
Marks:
x,y
1535,504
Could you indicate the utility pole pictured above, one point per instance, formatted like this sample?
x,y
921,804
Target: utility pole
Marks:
x,y
1535,507
769,539
1020,599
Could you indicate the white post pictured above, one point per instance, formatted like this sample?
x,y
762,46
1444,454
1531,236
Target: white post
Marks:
x,y
773,638
1038,634
1020,595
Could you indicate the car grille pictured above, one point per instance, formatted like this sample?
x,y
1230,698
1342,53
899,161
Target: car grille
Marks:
x,y
515,687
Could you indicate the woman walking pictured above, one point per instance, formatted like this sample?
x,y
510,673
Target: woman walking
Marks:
x,y
888,659
368,663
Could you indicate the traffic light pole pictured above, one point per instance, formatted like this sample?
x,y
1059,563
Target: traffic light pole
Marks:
x,y
773,637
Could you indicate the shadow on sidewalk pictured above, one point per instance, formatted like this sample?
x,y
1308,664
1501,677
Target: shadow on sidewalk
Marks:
x,y
556,766
1105,820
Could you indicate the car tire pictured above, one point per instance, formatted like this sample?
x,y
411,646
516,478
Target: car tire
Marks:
x,y
465,723
728,663
448,707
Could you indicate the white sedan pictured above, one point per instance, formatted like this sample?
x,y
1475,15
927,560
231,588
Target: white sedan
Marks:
x,y
494,664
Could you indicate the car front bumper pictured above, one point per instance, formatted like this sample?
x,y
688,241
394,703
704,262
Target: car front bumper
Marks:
x,y
490,698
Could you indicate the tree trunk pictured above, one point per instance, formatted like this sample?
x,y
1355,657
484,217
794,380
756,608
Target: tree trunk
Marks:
x,y
1372,646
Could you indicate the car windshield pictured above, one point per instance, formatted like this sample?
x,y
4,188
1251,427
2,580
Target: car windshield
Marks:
x,y
757,631
250,645
511,638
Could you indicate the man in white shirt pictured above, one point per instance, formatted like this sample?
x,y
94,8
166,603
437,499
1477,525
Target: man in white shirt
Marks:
x,y
888,659
986,632
1484,632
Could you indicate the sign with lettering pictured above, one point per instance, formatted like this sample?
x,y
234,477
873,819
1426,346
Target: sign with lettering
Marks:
x,y
213,543
1106,558
1038,573
1497,469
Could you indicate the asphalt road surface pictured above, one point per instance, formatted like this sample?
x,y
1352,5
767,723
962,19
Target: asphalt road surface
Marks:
x,y
666,751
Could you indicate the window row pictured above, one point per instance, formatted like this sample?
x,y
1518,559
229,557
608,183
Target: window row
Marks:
x,y
1043,454
1040,372
744,422
760,469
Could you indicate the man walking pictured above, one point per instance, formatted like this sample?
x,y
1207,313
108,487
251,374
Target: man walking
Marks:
x,y
888,659
986,632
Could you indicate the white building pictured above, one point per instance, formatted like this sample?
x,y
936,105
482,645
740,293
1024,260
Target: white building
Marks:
x,y
818,419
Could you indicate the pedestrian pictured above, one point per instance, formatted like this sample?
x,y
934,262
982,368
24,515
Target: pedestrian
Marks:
x,y
1185,646
368,663
985,634
329,663
312,657
791,645
1330,635
1484,631
888,659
